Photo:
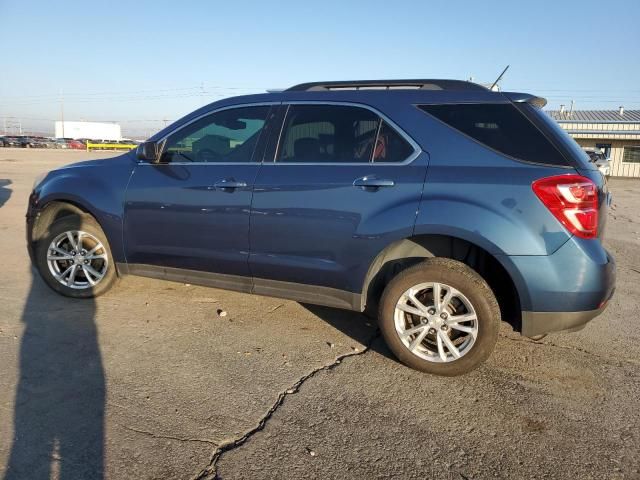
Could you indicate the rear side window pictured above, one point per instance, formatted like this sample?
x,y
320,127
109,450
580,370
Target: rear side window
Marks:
x,y
339,134
390,146
500,127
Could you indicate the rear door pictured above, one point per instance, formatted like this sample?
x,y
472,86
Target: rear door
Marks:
x,y
341,184
191,211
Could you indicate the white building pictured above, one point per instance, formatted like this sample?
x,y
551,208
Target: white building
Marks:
x,y
92,130
615,132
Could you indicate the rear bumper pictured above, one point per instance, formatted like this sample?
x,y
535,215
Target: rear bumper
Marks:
x,y
565,290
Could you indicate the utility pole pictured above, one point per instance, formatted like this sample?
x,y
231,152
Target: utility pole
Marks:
x,y
62,112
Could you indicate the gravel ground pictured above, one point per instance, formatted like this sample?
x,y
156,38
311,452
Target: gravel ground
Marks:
x,y
150,382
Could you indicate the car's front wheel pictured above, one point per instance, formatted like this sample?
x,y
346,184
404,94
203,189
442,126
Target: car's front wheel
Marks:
x,y
440,317
74,257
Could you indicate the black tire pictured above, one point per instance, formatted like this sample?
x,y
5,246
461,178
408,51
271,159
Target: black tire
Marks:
x,y
471,285
85,223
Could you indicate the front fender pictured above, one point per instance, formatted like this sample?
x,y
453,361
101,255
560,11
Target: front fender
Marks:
x,y
98,189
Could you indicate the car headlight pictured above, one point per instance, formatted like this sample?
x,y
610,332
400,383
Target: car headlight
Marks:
x,y
39,180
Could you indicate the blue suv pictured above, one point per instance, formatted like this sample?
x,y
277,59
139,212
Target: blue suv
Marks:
x,y
438,205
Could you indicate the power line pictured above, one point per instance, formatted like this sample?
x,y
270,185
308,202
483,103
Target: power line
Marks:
x,y
137,120
201,89
118,99
607,91
109,92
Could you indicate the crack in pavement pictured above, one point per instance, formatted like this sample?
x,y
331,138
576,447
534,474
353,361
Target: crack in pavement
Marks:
x,y
169,437
610,361
210,472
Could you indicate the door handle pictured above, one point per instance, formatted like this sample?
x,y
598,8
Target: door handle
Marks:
x,y
229,184
372,183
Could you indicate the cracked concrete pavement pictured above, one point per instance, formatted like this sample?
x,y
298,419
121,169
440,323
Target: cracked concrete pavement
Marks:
x,y
150,382
212,469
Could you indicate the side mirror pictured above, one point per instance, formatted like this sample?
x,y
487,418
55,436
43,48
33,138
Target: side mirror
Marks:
x,y
149,151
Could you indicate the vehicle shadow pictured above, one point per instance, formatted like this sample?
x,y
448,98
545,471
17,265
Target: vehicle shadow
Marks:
x,y
353,325
5,191
59,403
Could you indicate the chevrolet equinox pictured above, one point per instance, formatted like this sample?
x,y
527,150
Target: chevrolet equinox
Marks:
x,y
439,206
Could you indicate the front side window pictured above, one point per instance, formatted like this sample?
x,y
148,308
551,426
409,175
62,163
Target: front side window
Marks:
x,y
222,137
500,127
338,134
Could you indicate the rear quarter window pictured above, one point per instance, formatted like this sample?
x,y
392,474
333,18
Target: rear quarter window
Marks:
x,y
500,127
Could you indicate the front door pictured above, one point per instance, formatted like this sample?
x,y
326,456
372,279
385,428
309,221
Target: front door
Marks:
x,y
191,210
344,184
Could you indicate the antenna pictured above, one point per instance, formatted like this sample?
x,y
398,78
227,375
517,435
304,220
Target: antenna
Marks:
x,y
499,78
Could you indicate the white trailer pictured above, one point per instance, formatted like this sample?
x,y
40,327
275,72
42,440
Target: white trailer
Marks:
x,y
92,130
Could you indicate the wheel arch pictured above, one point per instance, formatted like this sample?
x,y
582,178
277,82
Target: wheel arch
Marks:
x,y
407,252
52,210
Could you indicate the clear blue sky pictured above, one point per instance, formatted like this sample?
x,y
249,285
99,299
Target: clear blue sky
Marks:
x,y
139,62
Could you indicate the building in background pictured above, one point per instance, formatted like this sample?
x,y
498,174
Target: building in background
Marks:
x,y
92,130
615,132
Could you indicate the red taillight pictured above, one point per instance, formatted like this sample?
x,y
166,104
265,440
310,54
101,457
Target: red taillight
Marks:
x,y
573,200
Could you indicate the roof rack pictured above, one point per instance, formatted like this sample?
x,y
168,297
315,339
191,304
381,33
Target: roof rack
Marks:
x,y
387,85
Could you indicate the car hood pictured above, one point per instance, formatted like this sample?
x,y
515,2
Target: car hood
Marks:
x,y
119,160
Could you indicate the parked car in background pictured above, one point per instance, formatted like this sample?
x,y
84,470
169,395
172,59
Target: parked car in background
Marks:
x,y
39,142
76,144
599,159
61,143
439,206
3,142
12,142
49,142
29,142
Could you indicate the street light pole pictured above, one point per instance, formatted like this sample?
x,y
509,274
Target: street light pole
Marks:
x,y
62,112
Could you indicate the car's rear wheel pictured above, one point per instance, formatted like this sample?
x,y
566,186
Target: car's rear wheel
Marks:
x,y
74,257
440,317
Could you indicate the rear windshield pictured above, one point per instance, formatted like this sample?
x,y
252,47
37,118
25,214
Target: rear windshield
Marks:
x,y
500,127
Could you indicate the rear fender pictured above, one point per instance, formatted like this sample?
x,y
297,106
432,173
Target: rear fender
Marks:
x,y
501,215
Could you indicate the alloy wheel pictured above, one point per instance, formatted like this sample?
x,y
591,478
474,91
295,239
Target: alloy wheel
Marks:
x,y
436,322
77,259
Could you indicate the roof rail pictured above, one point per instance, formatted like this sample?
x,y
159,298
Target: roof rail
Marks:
x,y
387,85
